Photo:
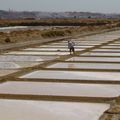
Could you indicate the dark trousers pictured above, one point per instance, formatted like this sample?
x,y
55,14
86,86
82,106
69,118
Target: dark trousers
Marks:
x,y
72,49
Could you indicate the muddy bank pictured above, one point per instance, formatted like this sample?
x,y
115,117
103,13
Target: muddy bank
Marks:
x,y
114,112
31,35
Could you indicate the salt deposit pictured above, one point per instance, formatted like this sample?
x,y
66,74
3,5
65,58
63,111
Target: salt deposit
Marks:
x,y
46,110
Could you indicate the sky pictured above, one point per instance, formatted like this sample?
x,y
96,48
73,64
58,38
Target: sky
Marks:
x,y
102,6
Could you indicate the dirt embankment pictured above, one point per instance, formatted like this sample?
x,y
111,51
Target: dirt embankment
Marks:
x,y
114,112
30,35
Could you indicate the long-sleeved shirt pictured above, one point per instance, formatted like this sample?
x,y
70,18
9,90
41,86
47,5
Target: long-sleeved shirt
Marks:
x,y
71,44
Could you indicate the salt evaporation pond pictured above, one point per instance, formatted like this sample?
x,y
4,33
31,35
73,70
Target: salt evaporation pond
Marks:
x,y
8,29
28,64
16,28
17,65
50,49
48,110
106,50
77,44
37,53
20,58
73,65
101,54
116,44
111,46
98,38
65,46
73,75
9,65
60,89
100,59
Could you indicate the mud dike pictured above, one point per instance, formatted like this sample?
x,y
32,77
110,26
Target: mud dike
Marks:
x,y
44,82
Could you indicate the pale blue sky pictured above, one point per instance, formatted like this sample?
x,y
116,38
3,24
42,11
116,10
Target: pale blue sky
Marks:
x,y
104,6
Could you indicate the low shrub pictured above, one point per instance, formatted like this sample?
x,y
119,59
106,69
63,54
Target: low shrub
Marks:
x,y
7,40
53,33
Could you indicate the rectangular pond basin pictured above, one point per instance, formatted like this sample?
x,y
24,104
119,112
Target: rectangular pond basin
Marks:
x,y
73,65
100,38
50,110
37,53
73,75
91,38
6,72
51,49
111,46
9,65
117,44
17,65
101,54
106,50
25,58
84,39
78,42
92,41
65,46
85,43
60,89
27,64
95,59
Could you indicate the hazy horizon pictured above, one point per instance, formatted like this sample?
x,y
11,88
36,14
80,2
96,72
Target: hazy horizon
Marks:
x,y
96,6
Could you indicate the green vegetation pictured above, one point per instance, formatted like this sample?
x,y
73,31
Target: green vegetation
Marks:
x,y
59,22
53,33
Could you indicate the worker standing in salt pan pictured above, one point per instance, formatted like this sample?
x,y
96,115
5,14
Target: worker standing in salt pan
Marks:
x,y
71,48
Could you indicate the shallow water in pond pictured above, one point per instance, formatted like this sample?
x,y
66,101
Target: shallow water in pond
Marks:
x,y
60,89
101,54
108,66
75,75
47,110
106,59
20,58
